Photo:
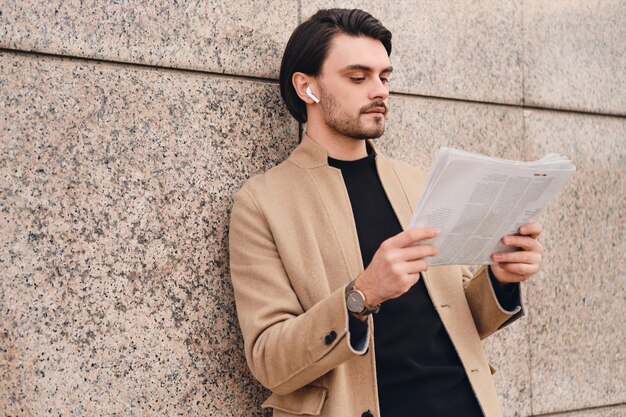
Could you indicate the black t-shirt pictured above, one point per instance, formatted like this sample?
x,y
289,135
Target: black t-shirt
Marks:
x,y
419,372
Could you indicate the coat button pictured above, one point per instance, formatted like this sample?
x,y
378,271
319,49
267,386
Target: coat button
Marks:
x,y
330,337
368,413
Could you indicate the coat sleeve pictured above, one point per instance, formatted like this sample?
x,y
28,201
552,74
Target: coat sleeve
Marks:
x,y
286,347
489,316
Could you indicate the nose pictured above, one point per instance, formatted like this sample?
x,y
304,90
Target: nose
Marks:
x,y
379,90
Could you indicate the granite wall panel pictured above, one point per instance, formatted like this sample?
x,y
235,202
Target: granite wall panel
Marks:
x,y
575,55
117,182
417,128
114,204
578,305
468,50
214,36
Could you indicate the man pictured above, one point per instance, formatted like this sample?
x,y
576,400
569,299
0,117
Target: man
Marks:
x,y
340,314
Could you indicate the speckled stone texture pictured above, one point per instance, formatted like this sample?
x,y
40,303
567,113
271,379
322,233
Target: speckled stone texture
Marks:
x,y
578,305
116,186
117,182
417,128
217,36
468,50
575,55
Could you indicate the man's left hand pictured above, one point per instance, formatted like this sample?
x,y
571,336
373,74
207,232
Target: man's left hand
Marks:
x,y
519,265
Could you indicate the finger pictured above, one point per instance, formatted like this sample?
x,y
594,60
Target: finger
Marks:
x,y
409,237
504,276
524,242
408,280
414,277
531,229
523,257
414,267
519,269
413,253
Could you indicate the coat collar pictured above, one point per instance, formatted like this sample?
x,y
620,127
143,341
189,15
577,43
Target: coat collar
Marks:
x,y
310,154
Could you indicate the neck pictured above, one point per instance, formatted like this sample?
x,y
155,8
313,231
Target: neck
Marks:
x,y
337,145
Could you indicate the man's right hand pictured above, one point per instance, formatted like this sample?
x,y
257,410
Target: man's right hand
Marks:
x,y
396,266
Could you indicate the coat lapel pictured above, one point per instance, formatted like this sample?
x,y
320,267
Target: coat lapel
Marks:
x,y
401,203
333,194
337,202
394,190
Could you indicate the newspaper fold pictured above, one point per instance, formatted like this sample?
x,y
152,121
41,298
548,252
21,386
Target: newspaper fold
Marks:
x,y
473,200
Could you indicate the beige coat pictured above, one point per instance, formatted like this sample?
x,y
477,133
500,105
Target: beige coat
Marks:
x,y
294,248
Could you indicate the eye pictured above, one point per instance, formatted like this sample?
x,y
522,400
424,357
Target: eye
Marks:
x,y
357,79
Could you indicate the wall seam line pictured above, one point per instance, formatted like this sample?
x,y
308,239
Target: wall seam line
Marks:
x,y
527,157
299,11
524,107
575,410
523,64
142,65
276,81
300,125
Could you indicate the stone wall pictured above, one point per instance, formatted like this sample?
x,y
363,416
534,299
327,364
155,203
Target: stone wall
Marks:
x,y
127,127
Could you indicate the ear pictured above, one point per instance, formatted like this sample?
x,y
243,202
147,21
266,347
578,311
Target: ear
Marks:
x,y
300,83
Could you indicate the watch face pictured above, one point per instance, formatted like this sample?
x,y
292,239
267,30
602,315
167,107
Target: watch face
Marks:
x,y
355,301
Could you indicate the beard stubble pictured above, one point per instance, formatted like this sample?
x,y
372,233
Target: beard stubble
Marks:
x,y
346,124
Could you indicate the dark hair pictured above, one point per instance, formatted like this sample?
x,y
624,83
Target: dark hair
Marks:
x,y
308,46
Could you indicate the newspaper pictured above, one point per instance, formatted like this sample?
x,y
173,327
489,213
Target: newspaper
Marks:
x,y
473,200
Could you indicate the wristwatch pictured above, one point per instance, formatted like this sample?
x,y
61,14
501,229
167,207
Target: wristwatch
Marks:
x,y
355,300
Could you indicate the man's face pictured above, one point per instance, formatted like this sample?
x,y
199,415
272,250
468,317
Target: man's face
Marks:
x,y
353,86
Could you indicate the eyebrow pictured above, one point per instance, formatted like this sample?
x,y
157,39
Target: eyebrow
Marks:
x,y
365,68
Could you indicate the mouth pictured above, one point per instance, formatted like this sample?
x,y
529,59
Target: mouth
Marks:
x,y
378,110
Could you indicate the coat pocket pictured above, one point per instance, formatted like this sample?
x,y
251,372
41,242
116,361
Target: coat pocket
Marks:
x,y
307,401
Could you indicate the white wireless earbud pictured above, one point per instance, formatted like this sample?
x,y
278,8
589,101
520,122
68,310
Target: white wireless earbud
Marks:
x,y
310,94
